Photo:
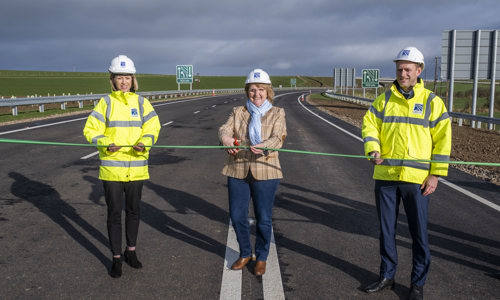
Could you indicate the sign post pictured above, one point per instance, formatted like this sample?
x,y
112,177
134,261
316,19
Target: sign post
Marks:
x,y
184,75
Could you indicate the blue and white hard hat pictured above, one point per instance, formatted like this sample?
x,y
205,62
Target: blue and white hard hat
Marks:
x,y
258,76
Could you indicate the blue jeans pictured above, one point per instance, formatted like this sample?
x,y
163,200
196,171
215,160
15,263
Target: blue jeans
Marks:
x,y
262,192
388,195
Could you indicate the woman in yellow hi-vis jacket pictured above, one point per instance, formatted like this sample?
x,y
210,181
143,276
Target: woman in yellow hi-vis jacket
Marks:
x,y
123,118
404,125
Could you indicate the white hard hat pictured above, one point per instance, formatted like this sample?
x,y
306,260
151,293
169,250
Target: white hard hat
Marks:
x,y
411,54
258,76
122,65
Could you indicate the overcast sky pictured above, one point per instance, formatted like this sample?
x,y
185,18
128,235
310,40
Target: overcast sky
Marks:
x,y
231,37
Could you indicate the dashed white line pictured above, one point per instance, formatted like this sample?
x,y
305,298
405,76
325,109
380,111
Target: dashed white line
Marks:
x,y
90,155
168,123
196,112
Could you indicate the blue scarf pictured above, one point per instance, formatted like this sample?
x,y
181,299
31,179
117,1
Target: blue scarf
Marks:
x,y
255,126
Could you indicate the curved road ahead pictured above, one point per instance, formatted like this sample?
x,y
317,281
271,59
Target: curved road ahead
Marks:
x,y
53,241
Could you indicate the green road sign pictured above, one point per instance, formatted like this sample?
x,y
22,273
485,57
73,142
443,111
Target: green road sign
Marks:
x,y
293,82
184,74
370,78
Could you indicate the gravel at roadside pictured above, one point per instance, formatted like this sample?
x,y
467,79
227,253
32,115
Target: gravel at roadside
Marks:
x,y
468,144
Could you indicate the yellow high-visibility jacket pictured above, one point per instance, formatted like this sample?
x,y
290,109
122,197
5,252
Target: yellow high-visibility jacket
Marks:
x,y
415,128
123,119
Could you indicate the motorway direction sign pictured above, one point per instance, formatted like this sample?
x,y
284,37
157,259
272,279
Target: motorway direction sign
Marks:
x,y
370,78
184,73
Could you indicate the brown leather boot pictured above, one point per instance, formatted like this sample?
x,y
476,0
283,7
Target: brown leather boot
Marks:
x,y
260,268
240,263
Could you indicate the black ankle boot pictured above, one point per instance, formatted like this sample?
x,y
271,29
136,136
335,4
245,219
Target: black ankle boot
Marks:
x,y
131,259
116,268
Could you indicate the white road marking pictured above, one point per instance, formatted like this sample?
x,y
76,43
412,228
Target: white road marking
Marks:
x,y
90,155
330,123
453,186
271,280
272,284
40,126
196,112
470,194
168,123
180,101
231,280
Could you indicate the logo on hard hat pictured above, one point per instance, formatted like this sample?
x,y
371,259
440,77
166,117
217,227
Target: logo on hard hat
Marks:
x,y
405,53
122,64
256,75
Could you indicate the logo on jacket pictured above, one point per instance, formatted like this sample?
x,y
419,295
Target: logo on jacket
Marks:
x,y
134,112
418,108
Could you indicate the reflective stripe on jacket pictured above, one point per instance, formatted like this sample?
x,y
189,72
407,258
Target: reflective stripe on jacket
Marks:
x,y
123,119
415,128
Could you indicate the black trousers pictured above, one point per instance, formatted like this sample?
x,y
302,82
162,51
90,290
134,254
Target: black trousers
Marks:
x,y
114,192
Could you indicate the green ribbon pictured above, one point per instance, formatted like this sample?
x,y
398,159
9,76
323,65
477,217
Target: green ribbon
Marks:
x,y
14,141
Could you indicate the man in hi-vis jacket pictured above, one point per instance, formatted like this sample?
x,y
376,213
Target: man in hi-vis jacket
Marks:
x,y
406,124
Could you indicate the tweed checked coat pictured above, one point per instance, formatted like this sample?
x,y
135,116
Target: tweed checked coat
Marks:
x,y
262,167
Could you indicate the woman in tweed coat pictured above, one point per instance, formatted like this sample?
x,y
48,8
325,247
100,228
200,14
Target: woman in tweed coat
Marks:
x,y
253,173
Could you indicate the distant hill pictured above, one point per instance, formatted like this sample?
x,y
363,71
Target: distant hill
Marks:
x,y
43,83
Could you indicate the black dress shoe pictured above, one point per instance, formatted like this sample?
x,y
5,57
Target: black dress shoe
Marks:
x,y
416,292
381,284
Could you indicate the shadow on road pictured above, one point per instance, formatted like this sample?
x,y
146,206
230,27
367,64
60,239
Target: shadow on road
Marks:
x,y
183,202
48,201
359,218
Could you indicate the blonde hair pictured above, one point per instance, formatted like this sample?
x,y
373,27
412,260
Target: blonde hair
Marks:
x,y
267,87
133,88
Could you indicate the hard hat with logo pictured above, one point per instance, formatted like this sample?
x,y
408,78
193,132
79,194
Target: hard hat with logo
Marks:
x,y
411,54
258,76
122,65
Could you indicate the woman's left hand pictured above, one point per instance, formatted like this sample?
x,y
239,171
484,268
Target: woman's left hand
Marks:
x,y
257,151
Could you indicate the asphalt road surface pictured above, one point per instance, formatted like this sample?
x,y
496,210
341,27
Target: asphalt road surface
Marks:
x,y
53,240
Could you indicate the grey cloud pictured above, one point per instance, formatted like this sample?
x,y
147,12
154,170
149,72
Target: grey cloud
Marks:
x,y
230,37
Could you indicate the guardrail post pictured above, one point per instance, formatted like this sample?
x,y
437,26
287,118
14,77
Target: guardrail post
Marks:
x,y
63,105
41,108
14,110
80,104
